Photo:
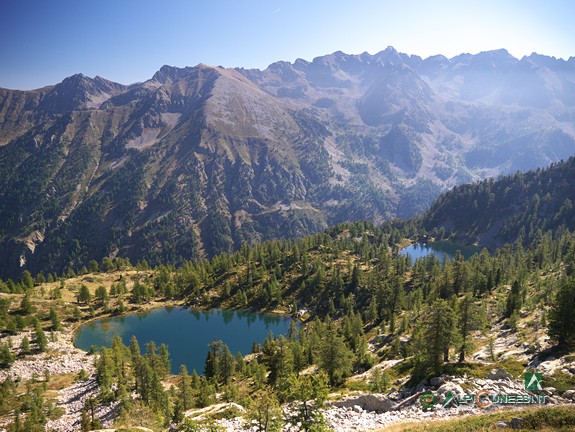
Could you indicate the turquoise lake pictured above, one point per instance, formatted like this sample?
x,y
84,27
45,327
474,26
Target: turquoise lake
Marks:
x,y
187,332
442,250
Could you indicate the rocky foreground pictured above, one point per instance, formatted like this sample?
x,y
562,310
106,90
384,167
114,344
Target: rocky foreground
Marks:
x,y
357,412
60,358
369,412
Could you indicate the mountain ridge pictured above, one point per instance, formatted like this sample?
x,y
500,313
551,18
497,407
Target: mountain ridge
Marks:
x,y
200,160
518,208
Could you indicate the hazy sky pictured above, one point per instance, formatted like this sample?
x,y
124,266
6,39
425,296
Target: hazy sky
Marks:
x,y
44,41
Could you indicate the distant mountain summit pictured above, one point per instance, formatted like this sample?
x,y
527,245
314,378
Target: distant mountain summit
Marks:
x,y
200,160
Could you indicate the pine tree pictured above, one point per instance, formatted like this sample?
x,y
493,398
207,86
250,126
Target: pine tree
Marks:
x,y
514,299
26,306
27,281
101,294
41,339
55,319
335,357
105,370
372,312
355,279
84,295
380,380
77,314
470,318
6,357
220,363
185,389
310,391
264,411
438,328
93,266
25,345
136,358
279,361
561,322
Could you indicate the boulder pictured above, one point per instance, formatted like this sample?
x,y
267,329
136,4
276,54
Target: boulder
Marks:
x,y
499,374
550,391
450,387
370,402
437,381
568,394
516,423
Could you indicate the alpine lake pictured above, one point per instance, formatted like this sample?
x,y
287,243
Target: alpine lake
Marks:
x,y
442,250
187,332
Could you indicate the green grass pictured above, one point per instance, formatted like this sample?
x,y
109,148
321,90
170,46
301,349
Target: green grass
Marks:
x,y
540,419
356,385
471,370
560,380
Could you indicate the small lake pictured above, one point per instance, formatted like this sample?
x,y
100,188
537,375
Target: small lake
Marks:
x,y
442,250
187,332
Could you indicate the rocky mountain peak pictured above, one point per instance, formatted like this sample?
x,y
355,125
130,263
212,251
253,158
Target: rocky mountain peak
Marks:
x,y
199,160
79,92
168,74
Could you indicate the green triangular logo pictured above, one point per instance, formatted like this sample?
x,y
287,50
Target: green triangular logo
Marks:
x,y
450,400
533,381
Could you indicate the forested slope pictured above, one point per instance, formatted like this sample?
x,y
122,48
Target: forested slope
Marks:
x,y
519,207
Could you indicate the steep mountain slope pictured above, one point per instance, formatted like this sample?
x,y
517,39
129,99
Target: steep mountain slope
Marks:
x,y
199,160
158,172
519,207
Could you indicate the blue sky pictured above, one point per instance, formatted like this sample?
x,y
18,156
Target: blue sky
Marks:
x,y
42,41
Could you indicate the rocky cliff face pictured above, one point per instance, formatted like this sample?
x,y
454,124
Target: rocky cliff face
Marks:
x,y
199,160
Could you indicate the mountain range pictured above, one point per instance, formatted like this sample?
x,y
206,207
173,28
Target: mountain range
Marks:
x,y
200,160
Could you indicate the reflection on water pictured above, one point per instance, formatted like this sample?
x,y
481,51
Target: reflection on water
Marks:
x,y
187,332
442,250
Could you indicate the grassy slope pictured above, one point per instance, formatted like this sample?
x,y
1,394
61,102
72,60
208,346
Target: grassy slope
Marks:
x,y
540,419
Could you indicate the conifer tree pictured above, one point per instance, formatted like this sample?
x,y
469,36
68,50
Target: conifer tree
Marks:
x,y
310,391
438,328
6,357
27,281
335,357
26,305
561,322
264,411
84,295
41,339
25,345
470,318
55,319
185,388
